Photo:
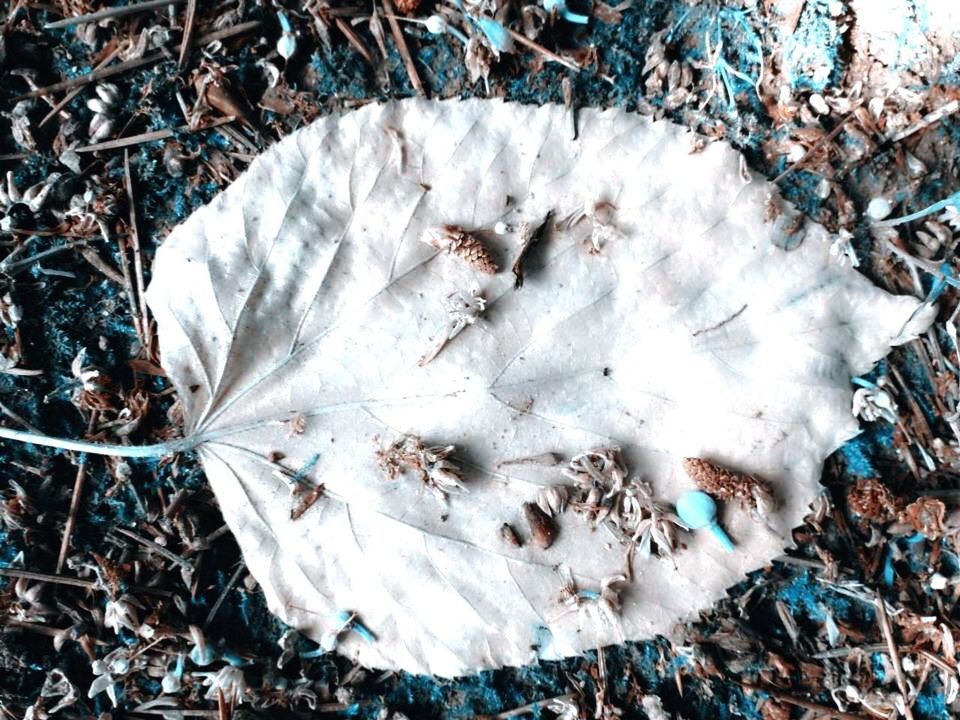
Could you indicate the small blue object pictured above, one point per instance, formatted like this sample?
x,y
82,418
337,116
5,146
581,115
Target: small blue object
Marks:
x,y
563,11
698,510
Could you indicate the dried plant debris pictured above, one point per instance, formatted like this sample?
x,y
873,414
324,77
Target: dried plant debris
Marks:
x,y
431,465
588,350
852,108
752,492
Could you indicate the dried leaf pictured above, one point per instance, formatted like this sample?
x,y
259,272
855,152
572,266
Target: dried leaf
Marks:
x,y
304,291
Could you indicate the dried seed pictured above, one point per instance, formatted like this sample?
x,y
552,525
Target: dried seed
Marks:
x,y
509,535
553,500
543,531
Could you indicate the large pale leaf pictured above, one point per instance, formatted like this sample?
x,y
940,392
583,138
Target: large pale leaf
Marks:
x,y
305,290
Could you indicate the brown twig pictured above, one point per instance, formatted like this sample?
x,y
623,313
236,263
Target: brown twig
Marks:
x,y
548,54
152,136
75,582
72,515
189,25
402,48
884,621
73,93
137,258
816,146
110,12
824,710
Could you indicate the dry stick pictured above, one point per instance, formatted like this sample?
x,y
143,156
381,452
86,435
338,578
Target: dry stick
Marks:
x,y
75,582
402,48
927,120
128,287
816,146
887,631
805,704
353,39
189,23
548,54
526,709
153,135
137,256
110,12
156,547
135,62
223,594
73,93
72,516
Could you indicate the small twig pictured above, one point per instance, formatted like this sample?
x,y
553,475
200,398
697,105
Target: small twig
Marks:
x,y
223,594
548,54
529,708
137,257
73,93
354,40
14,416
153,136
402,48
884,621
189,23
72,515
110,12
155,547
824,710
926,121
813,148
74,582
135,63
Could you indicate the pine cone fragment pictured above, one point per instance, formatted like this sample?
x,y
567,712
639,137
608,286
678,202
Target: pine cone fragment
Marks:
x,y
469,248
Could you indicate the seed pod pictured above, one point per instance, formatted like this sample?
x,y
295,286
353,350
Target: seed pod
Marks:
x,y
543,531
101,126
553,499
108,92
98,106
509,535
457,241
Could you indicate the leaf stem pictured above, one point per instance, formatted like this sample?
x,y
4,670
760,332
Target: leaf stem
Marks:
x,y
137,451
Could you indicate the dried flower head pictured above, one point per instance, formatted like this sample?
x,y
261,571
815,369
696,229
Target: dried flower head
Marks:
x,y
926,515
874,401
627,507
466,246
873,500
462,310
430,464
601,605
753,493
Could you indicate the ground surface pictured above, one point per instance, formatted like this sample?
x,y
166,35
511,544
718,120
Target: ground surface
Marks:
x,y
825,97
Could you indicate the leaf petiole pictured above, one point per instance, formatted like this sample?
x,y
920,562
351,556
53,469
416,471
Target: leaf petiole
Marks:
x,y
142,451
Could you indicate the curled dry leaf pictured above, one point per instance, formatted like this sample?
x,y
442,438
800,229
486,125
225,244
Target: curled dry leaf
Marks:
x,y
304,290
